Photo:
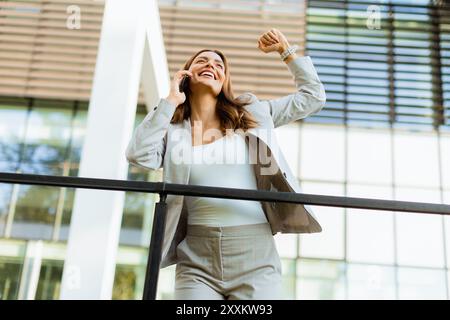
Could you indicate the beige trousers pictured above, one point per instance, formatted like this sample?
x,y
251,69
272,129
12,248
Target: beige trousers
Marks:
x,y
234,263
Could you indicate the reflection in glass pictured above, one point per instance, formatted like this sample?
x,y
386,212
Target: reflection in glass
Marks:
x,y
8,166
35,212
322,153
138,210
370,233
329,243
286,244
124,283
48,136
420,240
128,282
288,138
370,282
289,281
78,135
50,277
10,273
447,228
421,283
12,129
369,156
416,159
445,159
320,279
66,214
133,215
5,199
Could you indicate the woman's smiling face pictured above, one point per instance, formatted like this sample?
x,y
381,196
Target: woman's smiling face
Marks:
x,y
208,69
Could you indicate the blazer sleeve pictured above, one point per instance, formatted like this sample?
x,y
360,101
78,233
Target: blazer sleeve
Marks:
x,y
309,98
148,143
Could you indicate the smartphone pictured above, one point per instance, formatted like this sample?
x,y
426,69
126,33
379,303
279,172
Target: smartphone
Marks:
x,y
184,83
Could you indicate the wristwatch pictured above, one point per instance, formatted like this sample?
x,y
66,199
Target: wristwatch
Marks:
x,y
288,52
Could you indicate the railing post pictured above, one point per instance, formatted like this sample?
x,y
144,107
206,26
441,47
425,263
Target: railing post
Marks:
x,y
155,249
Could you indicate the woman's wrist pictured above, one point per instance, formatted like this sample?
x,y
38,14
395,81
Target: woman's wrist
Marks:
x,y
291,56
283,47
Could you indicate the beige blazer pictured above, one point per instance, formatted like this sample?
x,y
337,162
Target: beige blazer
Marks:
x,y
157,143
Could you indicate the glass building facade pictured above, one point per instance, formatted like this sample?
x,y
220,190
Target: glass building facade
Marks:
x,y
46,137
384,133
360,253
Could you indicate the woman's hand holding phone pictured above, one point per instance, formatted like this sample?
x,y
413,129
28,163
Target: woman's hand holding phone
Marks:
x,y
176,95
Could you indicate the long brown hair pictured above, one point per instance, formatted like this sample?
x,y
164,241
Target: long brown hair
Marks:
x,y
230,110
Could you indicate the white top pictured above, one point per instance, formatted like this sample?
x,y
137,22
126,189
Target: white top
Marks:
x,y
223,163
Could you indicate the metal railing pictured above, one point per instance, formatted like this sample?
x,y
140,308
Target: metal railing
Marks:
x,y
163,189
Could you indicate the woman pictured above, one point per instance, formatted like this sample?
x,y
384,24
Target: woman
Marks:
x,y
224,248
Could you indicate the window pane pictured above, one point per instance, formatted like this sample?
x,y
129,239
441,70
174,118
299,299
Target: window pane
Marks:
x,y
420,241
343,43
8,166
322,280
138,210
448,284
330,242
289,272
12,129
322,153
10,273
369,156
416,160
445,160
48,136
288,138
5,199
41,168
127,282
78,135
67,214
370,282
133,217
421,283
447,227
35,212
287,245
49,284
370,233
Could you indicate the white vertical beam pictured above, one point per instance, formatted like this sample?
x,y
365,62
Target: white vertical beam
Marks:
x,y
155,71
96,217
31,270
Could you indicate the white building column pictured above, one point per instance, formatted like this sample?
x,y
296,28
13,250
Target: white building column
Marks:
x,y
129,28
31,270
